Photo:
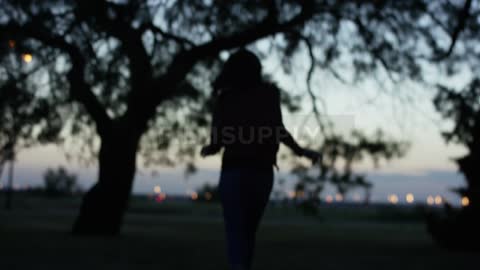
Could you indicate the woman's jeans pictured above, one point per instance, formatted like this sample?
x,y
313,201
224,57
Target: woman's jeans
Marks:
x,y
244,193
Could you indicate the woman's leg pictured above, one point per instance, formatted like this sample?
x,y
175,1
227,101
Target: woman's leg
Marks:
x,y
244,194
232,197
259,193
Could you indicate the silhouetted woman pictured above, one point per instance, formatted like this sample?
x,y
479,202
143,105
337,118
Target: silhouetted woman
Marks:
x,y
247,123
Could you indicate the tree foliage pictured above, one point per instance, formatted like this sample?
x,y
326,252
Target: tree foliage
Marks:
x,y
462,107
116,55
58,182
458,228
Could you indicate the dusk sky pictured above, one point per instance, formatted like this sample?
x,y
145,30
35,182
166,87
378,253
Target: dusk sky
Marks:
x,y
403,111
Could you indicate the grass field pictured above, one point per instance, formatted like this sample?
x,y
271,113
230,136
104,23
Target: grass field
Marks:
x,y
190,236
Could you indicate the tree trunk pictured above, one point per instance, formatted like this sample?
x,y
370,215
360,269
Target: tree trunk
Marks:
x,y
104,205
9,193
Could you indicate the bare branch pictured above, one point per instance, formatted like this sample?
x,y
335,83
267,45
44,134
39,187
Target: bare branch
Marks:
x,y
363,31
337,75
312,95
157,30
79,89
463,16
183,62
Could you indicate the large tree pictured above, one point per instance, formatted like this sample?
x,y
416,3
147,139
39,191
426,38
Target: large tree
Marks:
x,y
129,68
463,108
459,229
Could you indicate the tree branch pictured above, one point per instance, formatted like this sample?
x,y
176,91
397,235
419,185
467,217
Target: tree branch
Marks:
x,y
463,15
312,95
79,89
157,30
363,32
184,61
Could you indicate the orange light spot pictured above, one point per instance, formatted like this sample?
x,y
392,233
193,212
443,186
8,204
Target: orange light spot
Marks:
x,y
393,199
161,197
465,201
27,58
410,198
329,199
438,200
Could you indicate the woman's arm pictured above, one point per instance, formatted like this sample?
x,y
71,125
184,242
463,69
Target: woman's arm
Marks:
x,y
283,135
289,141
286,138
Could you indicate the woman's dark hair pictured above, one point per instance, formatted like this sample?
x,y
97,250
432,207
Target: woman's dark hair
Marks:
x,y
243,68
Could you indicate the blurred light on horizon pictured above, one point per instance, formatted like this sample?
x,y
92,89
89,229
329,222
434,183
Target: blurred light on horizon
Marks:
x,y
291,194
410,198
300,194
393,199
329,199
438,200
32,163
465,201
161,197
194,196
356,197
27,58
157,189
430,200
339,197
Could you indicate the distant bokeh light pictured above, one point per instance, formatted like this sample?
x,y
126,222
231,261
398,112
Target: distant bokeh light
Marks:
x,y
465,201
430,200
329,199
410,198
27,58
161,197
393,199
438,200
